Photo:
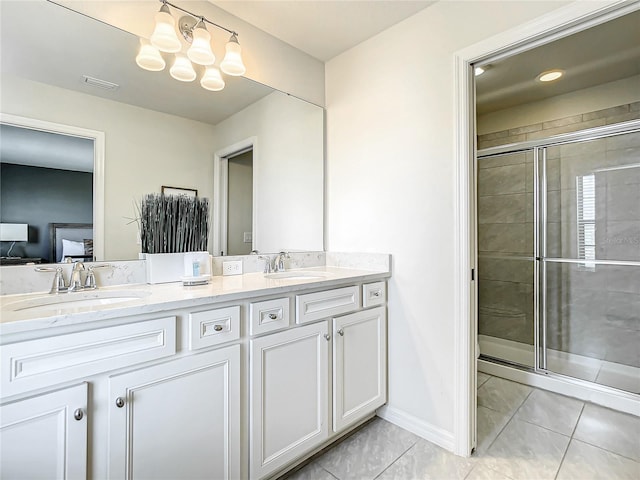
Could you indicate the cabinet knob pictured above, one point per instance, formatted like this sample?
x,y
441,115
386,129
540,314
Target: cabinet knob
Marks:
x,y
327,337
78,414
376,293
273,316
119,402
341,332
217,328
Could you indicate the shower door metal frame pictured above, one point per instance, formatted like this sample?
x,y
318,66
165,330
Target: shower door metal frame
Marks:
x,y
539,148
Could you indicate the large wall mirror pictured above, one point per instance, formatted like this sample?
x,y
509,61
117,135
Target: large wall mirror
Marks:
x,y
255,152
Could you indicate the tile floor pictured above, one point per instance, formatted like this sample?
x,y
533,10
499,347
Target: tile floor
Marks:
x,y
523,433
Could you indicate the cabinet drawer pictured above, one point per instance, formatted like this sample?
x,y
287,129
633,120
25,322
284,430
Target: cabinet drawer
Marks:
x,y
374,294
213,327
314,306
48,361
268,315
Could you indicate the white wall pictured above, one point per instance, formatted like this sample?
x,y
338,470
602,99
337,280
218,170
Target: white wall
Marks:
x,y
390,185
144,150
287,168
586,100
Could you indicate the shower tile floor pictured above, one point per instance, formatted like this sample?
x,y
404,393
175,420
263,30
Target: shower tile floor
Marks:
x,y
523,433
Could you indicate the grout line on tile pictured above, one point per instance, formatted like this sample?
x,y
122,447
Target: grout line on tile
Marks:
x,y
331,474
607,450
584,405
508,422
568,445
399,457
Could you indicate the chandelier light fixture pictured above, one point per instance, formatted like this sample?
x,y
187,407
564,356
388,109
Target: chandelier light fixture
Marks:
x,y
193,29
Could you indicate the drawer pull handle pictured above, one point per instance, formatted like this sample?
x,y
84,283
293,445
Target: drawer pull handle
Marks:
x,y
341,332
273,316
376,293
327,337
78,414
119,402
217,328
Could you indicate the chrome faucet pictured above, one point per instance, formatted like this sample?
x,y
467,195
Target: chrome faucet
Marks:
x,y
278,262
75,282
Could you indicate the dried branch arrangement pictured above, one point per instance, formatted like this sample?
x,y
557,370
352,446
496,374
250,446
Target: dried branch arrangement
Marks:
x,y
173,223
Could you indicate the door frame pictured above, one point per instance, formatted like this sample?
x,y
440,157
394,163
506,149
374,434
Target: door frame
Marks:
x,y
559,23
221,194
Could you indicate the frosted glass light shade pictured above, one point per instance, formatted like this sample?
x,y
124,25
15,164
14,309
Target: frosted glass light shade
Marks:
x,y
164,36
200,50
149,57
232,63
182,69
212,80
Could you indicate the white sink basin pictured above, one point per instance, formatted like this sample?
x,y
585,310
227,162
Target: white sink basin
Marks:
x,y
75,300
297,275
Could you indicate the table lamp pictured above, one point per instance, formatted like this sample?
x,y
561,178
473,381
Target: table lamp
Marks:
x,y
13,232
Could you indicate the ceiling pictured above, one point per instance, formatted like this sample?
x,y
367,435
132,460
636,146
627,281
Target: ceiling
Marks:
x,y
598,55
323,29
37,148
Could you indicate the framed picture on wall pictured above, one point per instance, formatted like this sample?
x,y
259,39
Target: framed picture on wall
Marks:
x,y
186,192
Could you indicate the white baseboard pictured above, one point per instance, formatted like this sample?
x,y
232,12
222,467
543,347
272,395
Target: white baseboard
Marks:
x,y
437,435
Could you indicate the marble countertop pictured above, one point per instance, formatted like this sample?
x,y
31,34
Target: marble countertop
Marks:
x,y
161,297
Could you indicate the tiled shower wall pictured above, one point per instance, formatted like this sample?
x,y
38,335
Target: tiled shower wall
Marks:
x,y
574,123
505,235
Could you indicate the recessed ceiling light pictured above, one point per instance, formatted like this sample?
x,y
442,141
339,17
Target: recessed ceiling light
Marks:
x,y
479,70
550,75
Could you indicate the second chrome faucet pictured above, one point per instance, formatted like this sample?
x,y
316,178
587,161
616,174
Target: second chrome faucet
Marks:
x,y
278,262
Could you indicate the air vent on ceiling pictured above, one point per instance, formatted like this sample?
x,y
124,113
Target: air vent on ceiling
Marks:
x,y
96,82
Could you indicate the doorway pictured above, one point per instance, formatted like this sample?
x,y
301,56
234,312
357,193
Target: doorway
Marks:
x,y
240,203
560,23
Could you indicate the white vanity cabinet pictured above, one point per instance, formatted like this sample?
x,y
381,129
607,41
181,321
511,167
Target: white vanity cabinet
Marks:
x,y
239,386
359,365
292,408
179,419
289,392
45,436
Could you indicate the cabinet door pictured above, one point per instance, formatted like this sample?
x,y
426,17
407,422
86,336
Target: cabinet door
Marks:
x,y
289,381
359,365
45,437
179,419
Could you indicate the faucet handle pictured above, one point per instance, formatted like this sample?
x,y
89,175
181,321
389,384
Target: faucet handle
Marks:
x,y
267,263
90,281
58,285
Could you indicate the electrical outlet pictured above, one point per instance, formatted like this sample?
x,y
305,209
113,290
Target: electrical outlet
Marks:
x,y
247,237
232,267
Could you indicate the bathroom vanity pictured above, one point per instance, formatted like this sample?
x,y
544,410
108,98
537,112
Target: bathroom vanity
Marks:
x,y
241,378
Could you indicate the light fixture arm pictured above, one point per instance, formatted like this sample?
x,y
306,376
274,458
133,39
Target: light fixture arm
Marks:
x,y
200,18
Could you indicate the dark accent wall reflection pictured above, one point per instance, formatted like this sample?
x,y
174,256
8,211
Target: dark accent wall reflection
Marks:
x,y
40,196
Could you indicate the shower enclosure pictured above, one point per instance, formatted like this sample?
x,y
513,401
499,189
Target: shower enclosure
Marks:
x,y
559,255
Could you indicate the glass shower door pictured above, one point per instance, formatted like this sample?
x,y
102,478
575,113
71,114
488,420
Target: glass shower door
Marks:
x,y
590,261
505,202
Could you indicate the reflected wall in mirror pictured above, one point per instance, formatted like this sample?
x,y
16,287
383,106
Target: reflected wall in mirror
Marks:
x,y
161,132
